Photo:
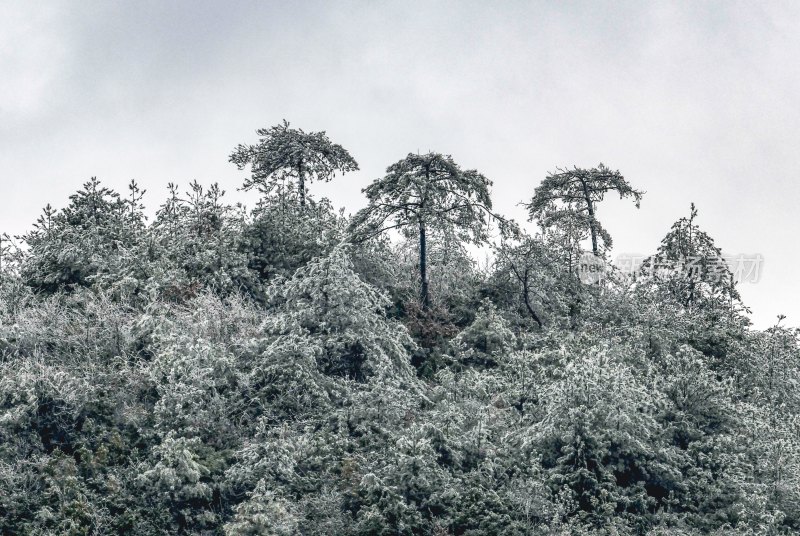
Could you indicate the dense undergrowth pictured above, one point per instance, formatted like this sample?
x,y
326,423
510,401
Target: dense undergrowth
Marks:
x,y
276,371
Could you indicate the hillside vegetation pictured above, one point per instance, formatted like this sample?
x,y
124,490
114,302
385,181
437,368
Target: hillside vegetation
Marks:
x,y
292,370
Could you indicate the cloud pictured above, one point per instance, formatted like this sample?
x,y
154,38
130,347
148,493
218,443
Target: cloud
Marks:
x,y
31,58
692,102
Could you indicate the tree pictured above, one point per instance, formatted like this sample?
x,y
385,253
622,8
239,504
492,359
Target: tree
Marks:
x,y
199,243
527,266
691,268
778,366
219,371
342,317
454,279
597,437
263,514
177,481
86,244
289,154
570,196
10,255
422,193
487,340
280,238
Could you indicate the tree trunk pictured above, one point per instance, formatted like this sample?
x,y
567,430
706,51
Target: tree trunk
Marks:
x,y
527,300
594,231
301,180
590,209
423,268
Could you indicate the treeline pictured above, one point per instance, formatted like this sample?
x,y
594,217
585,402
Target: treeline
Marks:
x,y
293,370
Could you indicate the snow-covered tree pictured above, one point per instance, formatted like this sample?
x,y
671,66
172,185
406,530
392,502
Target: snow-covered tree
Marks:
x,y
285,158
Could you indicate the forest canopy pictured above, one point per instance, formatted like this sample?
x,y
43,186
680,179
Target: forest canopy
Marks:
x,y
289,369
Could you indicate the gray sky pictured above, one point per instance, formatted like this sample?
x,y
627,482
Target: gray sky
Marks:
x,y
691,101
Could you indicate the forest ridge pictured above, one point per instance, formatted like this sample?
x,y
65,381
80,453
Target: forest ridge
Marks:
x,y
292,370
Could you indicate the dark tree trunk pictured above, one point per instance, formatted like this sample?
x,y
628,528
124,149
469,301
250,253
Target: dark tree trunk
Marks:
x,y
594,231
590,209
423,268
527,300
301,179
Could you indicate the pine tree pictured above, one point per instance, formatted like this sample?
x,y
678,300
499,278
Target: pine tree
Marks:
x,y
285,158
425,193
569,197
690,268
88,243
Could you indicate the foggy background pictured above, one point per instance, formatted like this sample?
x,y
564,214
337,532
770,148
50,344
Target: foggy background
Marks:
x,y
691,102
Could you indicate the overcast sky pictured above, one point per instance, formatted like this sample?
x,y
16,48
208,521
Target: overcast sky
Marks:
x,y
691,101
